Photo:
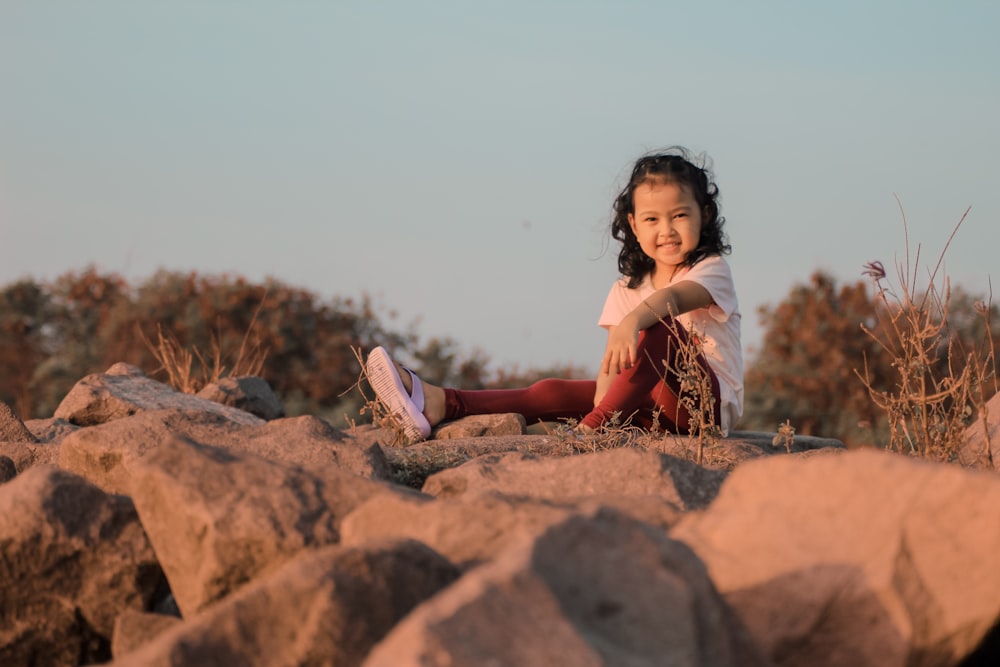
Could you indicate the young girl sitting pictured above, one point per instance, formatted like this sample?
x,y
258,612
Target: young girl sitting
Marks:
x,y
667,220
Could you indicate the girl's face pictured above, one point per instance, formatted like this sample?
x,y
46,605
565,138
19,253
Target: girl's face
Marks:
x,y
666,220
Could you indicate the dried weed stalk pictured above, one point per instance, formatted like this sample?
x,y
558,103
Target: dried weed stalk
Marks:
x,y
939,385
178,362
696,396
381,416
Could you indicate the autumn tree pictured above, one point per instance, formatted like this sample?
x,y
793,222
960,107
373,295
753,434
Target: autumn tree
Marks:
x,y
804,370
814,342
25,308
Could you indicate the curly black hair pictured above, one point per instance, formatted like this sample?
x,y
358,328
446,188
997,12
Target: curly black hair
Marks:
x,y
673,165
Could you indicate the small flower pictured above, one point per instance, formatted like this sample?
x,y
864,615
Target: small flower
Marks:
x,y
874,270
981,308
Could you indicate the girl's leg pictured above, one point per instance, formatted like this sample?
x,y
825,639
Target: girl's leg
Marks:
x,y
648,386
546,400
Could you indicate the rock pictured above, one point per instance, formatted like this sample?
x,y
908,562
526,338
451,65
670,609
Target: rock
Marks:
x,y
327,606
27,454
105,454
50,431
770,444
864,558
8,470
72,558
12,429
135,628
100,398
481,425
471,530
411,466
249,393
623,472
586,592
218,518
981,443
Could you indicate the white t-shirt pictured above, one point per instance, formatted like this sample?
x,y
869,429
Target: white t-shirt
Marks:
x,y
718,325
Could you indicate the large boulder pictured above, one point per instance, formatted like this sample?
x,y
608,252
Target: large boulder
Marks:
x,y
217,518
327,606
586,592
625,472
474,529
866,558
72,558
106,454
124,390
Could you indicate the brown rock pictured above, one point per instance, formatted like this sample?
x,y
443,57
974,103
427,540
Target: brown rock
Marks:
x,y
327,606
249,393
50,431
27,454
12,429
72,558
124,391
136,628
865,558
623,472
474,529
481,425
981,444
411,466
105,454
217,518
770,444
8,470
586,592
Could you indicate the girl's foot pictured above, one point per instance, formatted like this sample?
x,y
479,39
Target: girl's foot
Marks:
x,y
416,405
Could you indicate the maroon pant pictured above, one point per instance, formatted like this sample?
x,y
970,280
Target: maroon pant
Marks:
x,y
636,394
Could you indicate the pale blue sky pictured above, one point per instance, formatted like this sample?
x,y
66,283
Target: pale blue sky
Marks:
x,y
457,160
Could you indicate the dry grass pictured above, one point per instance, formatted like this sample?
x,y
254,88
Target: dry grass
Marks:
x,y
939,384
189,370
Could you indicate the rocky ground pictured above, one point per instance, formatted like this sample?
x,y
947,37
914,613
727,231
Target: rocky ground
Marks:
x,y
141,526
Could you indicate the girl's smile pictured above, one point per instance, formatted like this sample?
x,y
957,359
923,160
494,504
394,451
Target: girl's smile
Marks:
x,y
666,221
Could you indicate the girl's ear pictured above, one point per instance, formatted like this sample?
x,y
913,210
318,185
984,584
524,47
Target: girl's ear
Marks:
x,y
631,222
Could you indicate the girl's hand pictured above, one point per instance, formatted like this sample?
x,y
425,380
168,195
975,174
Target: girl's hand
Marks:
x,y
623,344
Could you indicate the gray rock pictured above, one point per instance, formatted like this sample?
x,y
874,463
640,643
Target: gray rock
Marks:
x,y
472,530
124,391
864,558
411,466
623,472
327,606
50,431
72,558
249,393
217,518
481,425
105,454
586,592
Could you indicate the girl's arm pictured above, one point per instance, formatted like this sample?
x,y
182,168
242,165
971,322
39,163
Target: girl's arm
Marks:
x,y
623,340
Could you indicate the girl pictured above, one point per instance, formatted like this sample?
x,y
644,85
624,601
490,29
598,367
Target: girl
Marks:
x,y
673,273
